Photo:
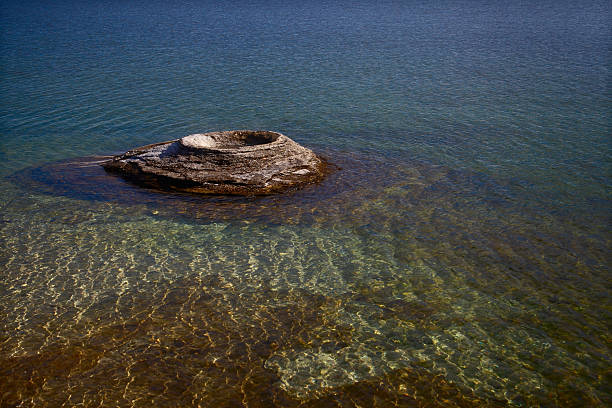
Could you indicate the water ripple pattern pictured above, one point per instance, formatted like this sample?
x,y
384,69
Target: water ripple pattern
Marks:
x,y
457,256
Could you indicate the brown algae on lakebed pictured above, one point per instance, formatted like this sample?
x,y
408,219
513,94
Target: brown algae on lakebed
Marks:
x,y
381,283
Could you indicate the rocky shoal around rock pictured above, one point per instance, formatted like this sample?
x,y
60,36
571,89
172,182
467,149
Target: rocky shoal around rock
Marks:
x,y
240,162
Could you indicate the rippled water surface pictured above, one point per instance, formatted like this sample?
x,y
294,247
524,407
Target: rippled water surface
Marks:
x,y
457,256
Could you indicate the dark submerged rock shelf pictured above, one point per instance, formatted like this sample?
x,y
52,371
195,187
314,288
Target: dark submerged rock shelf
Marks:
x,y
239,162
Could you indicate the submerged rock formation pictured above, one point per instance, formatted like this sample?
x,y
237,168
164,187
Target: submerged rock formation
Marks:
x,y
240,162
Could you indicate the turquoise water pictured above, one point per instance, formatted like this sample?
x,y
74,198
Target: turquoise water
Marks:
x,y
458,256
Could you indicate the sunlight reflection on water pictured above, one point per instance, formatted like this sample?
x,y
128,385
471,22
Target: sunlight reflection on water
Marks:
x,y
384,271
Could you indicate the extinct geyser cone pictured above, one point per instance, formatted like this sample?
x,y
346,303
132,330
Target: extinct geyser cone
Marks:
x,y
243,162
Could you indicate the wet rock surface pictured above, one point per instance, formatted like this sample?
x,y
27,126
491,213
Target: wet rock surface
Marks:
x,y
240,162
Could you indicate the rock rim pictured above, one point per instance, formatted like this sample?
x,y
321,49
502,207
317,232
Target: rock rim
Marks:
x,y
237,162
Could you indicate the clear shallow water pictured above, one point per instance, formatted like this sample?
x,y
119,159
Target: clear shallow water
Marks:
x,y
458,257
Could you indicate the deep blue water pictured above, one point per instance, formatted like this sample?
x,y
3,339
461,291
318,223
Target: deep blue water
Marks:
x,y
459,256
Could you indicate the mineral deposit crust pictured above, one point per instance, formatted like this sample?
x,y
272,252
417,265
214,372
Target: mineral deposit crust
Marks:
x,y
239,162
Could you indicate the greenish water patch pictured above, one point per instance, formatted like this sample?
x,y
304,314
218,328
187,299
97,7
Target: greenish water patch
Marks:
x,y
384,272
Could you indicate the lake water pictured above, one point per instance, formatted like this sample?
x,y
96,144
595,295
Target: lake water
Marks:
x,y
458,256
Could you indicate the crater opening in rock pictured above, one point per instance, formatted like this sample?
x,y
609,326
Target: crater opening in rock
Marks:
x,y
229,140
